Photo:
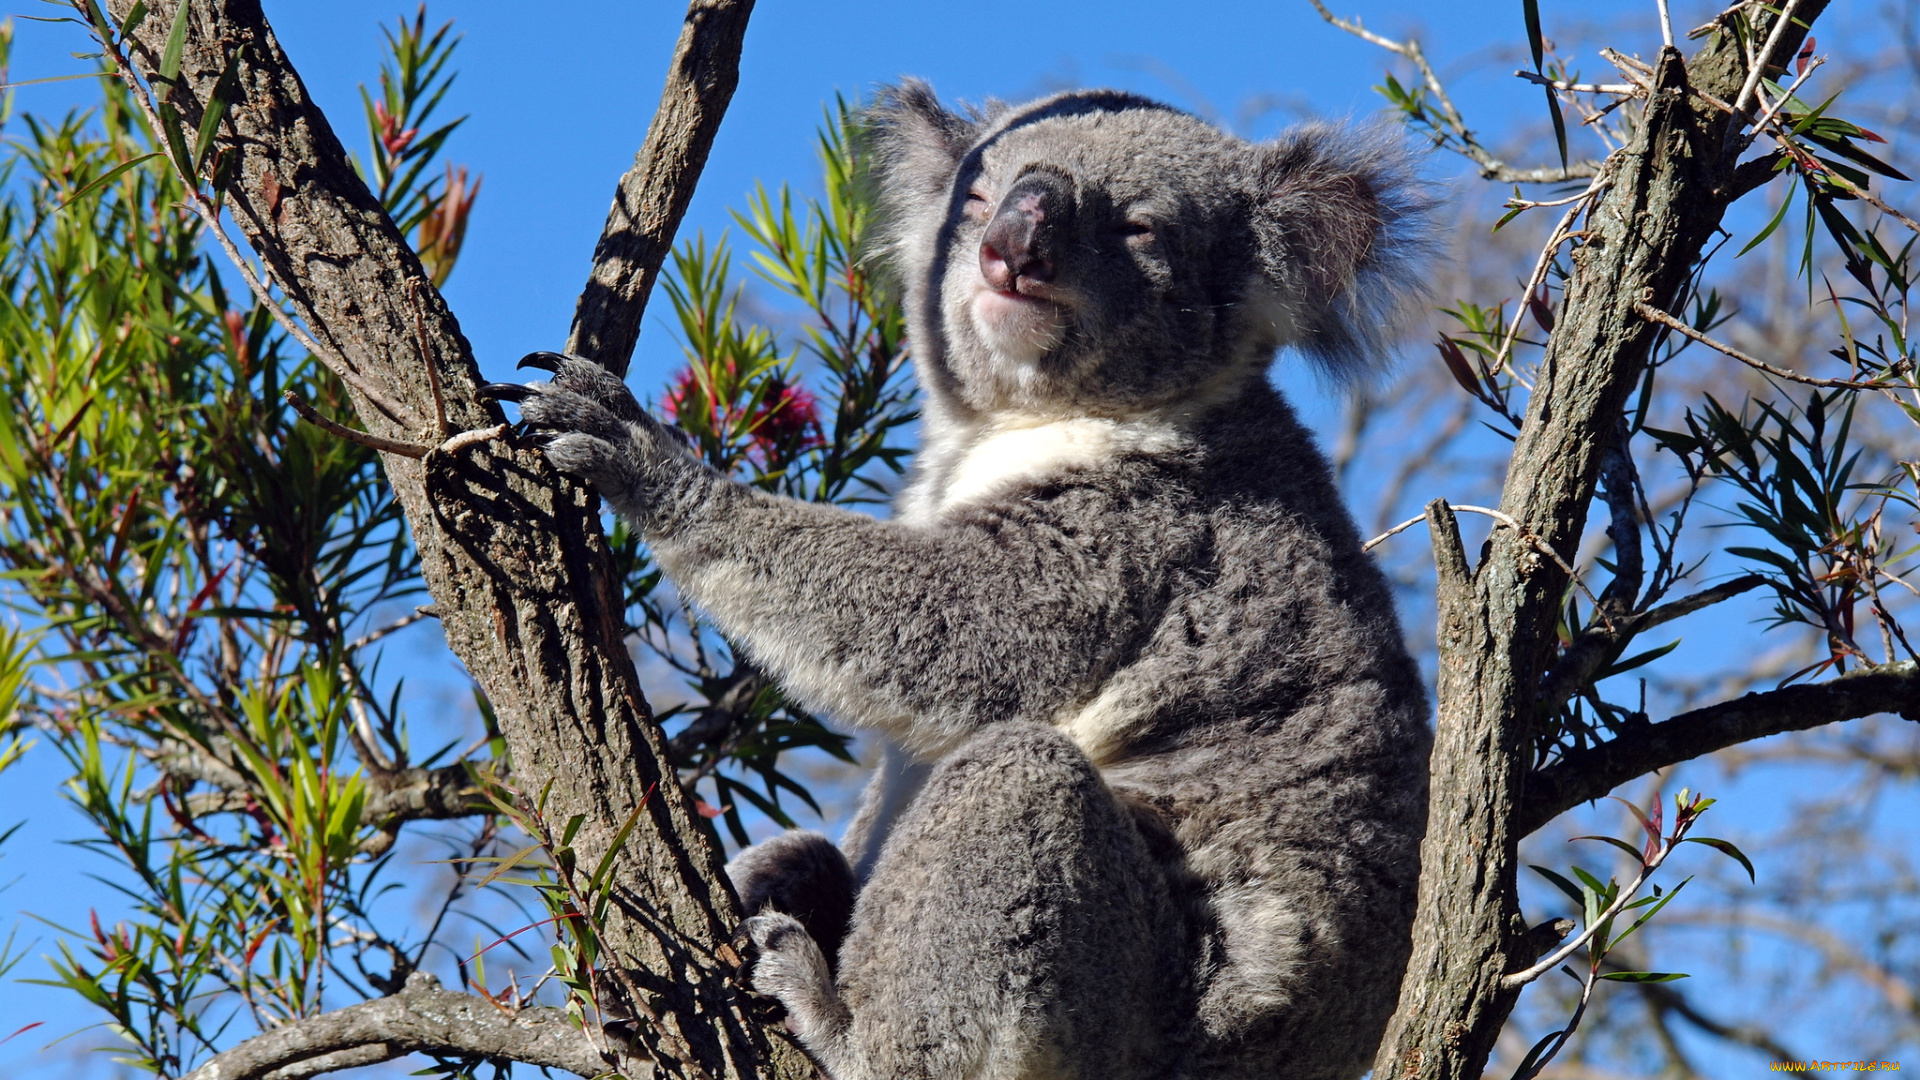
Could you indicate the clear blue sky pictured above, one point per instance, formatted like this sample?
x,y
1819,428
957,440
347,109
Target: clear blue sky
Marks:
x,y
560,96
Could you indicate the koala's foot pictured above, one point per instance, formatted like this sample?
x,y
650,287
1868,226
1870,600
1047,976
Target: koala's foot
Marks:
x,y
803,875
598,432
788,966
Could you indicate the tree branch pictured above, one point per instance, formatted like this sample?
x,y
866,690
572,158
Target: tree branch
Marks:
x,y
1588,774
1598,646
654,193
421,1019
511,551
1665,196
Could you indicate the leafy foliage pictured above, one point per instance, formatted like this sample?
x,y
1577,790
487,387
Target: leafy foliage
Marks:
x,y
208,579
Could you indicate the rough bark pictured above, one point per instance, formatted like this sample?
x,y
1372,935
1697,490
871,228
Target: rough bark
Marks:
x,y
1590,773
654,193
420,1018
1666,194
512,552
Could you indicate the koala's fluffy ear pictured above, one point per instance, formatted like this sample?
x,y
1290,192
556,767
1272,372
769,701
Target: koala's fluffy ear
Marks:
x,y
911,147
912,142
1345,233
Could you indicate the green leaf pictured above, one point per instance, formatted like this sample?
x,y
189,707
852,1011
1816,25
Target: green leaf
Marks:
x,y
1726,848
1637,660
1559,124
176,43
1528,1063
217,104
1573,891
1778,216
1531,9
619,841
135,16
1632,852
1658,902
1644,976
105,178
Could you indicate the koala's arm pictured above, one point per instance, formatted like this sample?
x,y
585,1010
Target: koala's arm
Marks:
x,y
924,632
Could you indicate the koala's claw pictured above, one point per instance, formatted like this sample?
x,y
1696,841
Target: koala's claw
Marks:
x,y
547,360
504,391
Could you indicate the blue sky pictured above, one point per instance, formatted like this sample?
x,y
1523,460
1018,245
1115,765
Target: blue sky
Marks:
x,y
560,97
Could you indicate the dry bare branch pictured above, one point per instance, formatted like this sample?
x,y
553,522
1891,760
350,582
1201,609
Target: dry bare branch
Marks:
x,y
420,1019
1587,774
654,193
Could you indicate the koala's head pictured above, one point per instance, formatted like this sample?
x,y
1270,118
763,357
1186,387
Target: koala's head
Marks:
x,y
1099,252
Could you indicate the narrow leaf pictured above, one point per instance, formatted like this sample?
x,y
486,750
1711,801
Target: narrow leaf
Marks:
x,y
1565,886
1531,9
176,43
105,178
1729,850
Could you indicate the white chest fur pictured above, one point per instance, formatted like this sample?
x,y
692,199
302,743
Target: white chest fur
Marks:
x,y
964,468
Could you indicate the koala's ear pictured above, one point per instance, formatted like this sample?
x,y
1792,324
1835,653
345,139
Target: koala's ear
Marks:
x,y
1345,235
912,142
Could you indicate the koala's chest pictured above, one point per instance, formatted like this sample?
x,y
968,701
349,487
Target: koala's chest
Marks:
x,y
956,470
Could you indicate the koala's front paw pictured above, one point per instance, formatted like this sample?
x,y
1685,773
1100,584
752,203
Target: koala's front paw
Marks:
x,y
596,430
787,965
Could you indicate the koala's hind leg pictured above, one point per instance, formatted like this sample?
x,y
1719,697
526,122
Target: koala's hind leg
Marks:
x,y
1019,923
798,873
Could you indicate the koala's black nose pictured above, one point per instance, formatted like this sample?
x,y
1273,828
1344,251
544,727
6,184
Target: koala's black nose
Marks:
x,y
1024,237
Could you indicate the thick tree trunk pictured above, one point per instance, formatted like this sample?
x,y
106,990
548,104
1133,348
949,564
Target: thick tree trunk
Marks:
x,y
512,552
1665,197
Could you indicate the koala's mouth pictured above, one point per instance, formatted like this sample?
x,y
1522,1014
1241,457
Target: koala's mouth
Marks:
x,y
1024,323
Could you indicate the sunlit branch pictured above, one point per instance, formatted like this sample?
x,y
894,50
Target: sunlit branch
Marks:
x,y
1586,774
421,1019
1648,311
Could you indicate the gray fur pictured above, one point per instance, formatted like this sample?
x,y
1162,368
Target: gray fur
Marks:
x,y
1169,750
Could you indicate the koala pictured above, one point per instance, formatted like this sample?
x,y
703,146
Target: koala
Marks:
x,y
1156,768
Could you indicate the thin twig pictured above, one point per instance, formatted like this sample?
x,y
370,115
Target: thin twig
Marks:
x,y
374,442
1666,24
1717,21
474,438
1491,167
1654,314
425,611
1772,110
1580,88
1538,544
1552,960
442,430
1757,69
1559,236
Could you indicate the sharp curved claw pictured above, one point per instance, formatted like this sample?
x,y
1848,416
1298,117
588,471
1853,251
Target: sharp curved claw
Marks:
x,y
545,361
505,391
